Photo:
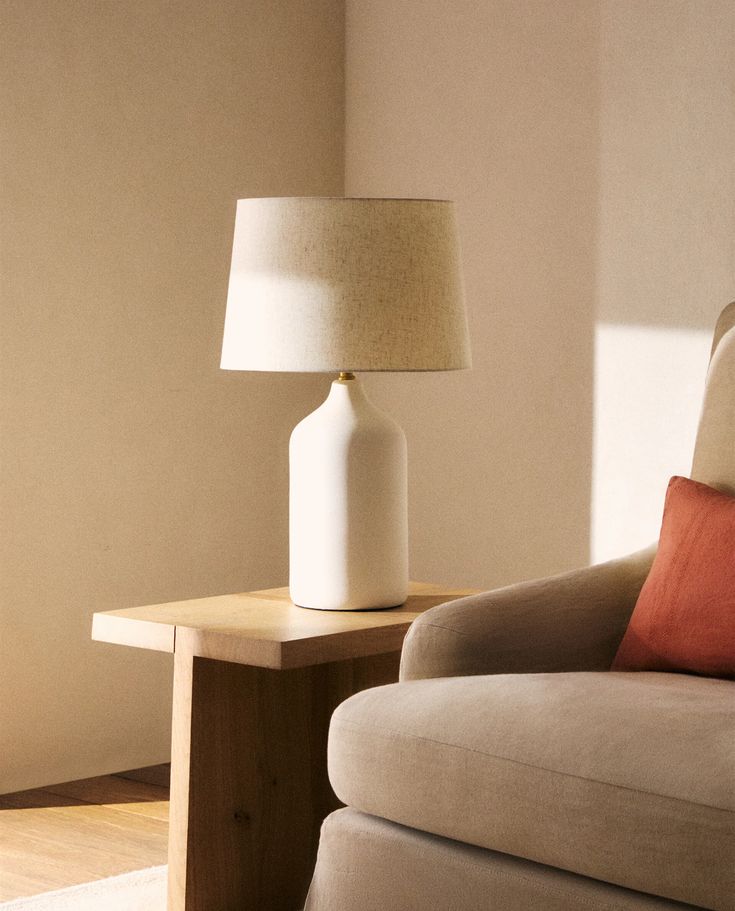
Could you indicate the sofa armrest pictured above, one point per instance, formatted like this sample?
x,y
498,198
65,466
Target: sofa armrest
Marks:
x,y
571,622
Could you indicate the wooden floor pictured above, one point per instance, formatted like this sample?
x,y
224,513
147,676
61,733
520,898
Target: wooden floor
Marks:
x,y
73,833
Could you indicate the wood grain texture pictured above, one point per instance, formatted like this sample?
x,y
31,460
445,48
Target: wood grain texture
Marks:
x,y
77,832
118,793
111,626
265,629
249,778
182,788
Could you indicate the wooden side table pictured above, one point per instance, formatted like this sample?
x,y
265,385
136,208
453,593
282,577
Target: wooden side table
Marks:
x,y
256,680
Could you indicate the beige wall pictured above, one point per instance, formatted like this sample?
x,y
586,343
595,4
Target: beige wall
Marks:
x,y
589,146
494,105
666,241
133,470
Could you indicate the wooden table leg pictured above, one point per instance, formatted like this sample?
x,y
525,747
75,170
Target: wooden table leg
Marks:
x,y
249,786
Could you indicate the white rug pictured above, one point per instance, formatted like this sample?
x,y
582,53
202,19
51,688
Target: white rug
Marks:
x,y
141,890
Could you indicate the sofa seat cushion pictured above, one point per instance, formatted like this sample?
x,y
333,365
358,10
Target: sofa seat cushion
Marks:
x,y
628,778
370,864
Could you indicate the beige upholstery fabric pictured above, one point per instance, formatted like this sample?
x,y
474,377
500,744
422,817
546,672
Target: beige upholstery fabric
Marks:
x,y
570,622
627,777
714,453
368,864
725,322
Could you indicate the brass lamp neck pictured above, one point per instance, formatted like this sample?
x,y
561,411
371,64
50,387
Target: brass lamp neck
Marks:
x,y
345,375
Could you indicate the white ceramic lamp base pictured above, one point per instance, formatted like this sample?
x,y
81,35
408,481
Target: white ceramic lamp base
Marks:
x,y
348,514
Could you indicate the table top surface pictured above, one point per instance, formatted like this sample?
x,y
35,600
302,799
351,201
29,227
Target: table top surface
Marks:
x,y
266,629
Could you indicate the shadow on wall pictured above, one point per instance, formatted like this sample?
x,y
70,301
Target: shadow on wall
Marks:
x,y
588,148
493,105
666,257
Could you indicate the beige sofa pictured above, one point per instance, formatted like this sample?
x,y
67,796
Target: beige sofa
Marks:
x,y
509,770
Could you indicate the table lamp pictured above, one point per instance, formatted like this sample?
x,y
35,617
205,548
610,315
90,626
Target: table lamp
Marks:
x,y
343,286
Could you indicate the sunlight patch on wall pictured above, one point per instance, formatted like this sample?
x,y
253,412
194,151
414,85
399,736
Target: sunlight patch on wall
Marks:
x,y
649,382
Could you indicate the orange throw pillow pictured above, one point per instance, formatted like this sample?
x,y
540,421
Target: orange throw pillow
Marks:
x,y
684,619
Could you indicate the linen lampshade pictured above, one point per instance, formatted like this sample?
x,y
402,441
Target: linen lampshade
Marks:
x,y
333,284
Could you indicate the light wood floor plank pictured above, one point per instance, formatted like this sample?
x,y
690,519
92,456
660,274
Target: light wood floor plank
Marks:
x,y
118,793
77,832
155,774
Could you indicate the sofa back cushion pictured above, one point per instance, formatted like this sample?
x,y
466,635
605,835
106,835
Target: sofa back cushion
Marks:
x,y
684,619
714,451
